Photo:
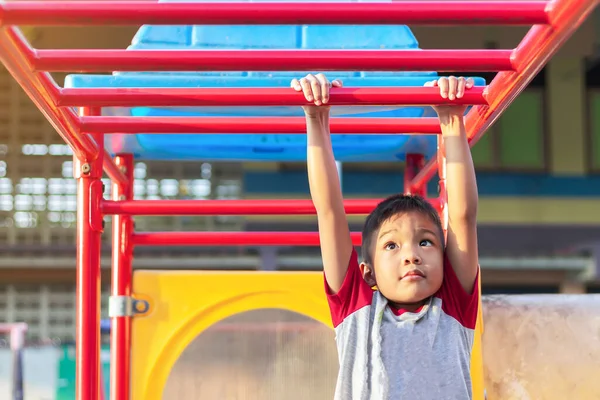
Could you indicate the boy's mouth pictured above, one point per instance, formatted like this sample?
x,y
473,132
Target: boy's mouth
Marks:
x,y
413,274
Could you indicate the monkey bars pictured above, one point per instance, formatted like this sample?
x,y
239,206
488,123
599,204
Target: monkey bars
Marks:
x,y
243,125
226,207
60,13
157,97
554,21
264,60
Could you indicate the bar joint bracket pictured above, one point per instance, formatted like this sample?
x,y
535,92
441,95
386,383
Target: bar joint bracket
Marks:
x,y
126,306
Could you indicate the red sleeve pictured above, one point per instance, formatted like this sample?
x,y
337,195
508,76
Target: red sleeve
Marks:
x,y
354,294
456,302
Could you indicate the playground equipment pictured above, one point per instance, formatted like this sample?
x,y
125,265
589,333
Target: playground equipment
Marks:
x,y
154,307
16,334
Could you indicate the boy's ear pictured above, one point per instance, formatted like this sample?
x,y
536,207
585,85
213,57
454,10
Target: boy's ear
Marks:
x,y
368,274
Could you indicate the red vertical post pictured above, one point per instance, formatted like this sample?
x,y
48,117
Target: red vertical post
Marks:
x,y
122,256
443,197
89,230
414,164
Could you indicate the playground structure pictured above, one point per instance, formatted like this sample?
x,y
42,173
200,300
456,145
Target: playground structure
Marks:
x,y
16,337
154,317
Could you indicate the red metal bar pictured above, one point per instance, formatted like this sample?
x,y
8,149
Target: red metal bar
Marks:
x,y
16,333
270,60
231,207
113,171
534,51
263,125
45,93
218,97
231,239
227,207
122,257
15,55
443,194
9,327
406,12
89,230
414,163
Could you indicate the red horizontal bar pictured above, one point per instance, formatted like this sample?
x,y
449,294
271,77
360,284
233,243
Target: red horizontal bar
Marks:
x,y
534,51
7,327
231,239
113,171
218,97
61,13
271,60
227,207
15,54
260,125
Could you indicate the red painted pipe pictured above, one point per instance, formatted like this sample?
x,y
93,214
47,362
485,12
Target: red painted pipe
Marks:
x,y
260,125
414,163
122,258
227,207
15,56
271,60
534,51
113,171
87,309
219,97
62,13
231,239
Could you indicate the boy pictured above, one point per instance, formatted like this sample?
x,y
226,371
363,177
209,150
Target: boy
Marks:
x,y
405,316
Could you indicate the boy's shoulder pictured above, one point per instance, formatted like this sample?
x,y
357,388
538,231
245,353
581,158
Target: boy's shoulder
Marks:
x,y
455,301
354,294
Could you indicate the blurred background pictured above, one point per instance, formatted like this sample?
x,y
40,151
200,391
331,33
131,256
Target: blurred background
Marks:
x,y
538,172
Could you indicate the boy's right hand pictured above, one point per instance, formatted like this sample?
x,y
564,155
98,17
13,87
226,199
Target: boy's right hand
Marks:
x,y
316,90
451,88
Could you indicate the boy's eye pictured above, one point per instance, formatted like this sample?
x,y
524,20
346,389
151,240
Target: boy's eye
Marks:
x,y
425,243
390,246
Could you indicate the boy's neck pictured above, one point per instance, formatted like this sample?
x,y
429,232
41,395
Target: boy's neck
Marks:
x,y
410,307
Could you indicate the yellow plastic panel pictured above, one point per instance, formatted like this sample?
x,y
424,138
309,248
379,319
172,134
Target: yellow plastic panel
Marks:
x,y
477,375
267,354
183,304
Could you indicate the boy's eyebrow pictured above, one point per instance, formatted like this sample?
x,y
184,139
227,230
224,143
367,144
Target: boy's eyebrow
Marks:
x,y
386,232
426,230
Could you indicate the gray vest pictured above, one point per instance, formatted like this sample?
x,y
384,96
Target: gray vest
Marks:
x,y
399,355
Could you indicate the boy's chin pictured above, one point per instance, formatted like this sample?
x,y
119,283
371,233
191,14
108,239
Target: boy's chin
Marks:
x,y
410,298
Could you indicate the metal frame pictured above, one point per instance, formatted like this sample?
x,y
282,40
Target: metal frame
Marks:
x,y
17,333
553,21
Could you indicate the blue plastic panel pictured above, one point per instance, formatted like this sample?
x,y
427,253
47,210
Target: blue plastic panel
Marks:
x,y
264,147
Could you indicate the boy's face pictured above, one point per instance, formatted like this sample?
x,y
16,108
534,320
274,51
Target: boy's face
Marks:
x,y
407,260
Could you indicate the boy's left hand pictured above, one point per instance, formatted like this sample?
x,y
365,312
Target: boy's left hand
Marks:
x,y
451,88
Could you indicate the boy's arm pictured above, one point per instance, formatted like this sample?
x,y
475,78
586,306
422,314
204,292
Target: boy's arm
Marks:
x,y
461,185
336,244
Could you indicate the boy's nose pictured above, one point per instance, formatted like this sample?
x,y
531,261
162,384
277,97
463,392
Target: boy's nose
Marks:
x,y
412,257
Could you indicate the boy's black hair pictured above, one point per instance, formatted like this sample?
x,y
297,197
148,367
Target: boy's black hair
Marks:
x,y
393,205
